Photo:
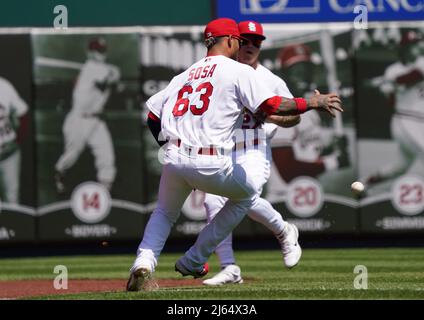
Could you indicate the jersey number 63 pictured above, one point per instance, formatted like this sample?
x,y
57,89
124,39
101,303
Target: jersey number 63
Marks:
x,y
183,100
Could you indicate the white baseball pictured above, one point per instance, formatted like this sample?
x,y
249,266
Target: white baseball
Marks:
x,y
357,187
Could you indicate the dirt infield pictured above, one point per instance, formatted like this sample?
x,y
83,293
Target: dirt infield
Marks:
x,y
33,288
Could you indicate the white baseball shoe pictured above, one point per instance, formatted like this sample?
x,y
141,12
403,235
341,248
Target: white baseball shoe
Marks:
x,y
230,274
141,280
290,247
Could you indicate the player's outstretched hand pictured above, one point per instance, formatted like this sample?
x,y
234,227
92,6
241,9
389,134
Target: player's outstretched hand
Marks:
x,y
326,102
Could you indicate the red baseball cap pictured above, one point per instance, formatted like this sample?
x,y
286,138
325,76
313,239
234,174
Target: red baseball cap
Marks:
x,y
251,27
222,27
292,54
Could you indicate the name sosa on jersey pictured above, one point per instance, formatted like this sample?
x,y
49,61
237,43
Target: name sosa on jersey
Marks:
x,y
249,121
181,106
197,73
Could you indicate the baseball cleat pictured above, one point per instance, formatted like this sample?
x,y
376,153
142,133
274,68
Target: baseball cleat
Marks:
x,y
141,280
230,274
290,247
179,267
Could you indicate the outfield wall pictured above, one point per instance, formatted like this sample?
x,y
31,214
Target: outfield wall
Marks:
x,y
43,66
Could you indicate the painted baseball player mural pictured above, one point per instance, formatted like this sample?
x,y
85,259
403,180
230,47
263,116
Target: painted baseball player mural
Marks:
x,y
13,125
83,125
203,107
403,84
262,211
303,150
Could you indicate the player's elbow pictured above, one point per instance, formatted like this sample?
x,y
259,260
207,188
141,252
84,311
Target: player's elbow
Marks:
x,y
154,124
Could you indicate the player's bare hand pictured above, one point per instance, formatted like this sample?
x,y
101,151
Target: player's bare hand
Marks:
x,y
326,102
284,121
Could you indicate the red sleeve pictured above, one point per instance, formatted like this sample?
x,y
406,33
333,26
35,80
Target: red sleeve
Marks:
x,y
152,116
271,105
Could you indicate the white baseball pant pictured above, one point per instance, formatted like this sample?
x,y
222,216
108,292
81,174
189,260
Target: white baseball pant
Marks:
x,y
261,210
209,173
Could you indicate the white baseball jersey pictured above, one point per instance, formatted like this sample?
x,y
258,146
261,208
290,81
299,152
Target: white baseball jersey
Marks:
x,y
11,104
203,105
89,97
409,100
155,103
276,85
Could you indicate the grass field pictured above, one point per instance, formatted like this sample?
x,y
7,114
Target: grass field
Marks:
x,y
321,274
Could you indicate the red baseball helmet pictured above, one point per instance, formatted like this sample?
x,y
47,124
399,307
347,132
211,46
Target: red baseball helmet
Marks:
x,y
222,27
251,27
292,54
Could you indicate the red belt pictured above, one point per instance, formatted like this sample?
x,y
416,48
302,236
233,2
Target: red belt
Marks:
x,y
211,151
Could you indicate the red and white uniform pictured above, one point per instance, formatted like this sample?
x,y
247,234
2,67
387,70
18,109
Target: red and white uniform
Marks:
x,y
12,107
215,83
203,107
261,210
83,127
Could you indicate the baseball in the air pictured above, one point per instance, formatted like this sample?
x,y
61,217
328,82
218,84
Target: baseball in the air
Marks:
x,y
357,187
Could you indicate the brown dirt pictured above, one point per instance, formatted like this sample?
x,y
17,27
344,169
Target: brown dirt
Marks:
x,y
32,288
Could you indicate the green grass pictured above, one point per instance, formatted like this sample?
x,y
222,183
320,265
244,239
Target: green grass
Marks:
x,y
321,274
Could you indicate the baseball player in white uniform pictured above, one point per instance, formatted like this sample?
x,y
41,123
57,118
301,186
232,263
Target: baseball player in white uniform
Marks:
x,y
83,125
403,81
261,211
13,123
202,108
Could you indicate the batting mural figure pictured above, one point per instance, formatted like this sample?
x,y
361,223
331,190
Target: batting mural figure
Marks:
x,y
403,84
302,150
13,125
83,125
